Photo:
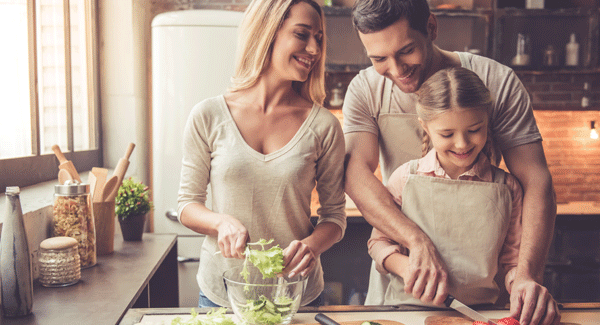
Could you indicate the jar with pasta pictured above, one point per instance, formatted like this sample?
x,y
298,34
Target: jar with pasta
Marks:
x,y
72,217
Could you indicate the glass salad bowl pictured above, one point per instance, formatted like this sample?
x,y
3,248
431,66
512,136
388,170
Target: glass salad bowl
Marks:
x,y
261,301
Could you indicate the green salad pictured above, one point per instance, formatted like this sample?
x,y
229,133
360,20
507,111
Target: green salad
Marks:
x,y
264,311
213,317
269,262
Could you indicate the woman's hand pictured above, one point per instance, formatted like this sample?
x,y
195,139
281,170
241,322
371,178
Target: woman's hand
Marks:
x,y
298,258
232,237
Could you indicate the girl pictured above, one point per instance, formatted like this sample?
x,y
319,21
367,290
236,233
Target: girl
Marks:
x,y
262,147
470,209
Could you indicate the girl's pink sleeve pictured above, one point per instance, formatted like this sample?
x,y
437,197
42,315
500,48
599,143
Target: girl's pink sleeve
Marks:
x,y
380,246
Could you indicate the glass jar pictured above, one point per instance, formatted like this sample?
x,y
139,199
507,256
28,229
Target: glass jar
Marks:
x,y
72,217
59,262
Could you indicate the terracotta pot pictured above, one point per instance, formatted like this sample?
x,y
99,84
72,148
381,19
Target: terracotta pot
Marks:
x,y
132,227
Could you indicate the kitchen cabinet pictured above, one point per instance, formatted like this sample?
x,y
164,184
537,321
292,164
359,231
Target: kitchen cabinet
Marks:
x,y
139,274
485,31
573,268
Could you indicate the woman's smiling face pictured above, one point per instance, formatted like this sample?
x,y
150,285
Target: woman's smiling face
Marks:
x,y
298,43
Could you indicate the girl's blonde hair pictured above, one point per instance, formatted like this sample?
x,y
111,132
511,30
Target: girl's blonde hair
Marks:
x,y
262,20
455,88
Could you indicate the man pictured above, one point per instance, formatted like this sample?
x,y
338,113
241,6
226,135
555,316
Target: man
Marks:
x,y
381,127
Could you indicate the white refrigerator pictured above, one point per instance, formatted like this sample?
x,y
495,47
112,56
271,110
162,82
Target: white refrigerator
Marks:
x,y
193,53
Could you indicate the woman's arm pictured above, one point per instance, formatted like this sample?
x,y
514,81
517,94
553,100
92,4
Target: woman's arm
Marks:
x,y
301,255
230,232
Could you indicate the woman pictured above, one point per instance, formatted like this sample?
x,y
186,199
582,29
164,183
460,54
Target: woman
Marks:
x,y
262,147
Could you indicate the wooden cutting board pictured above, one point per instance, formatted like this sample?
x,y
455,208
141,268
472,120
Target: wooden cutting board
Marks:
x,y
358,322
454,320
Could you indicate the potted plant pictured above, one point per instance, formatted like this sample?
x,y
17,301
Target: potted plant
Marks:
x,y
131,206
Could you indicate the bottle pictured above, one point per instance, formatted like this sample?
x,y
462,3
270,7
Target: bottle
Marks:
x,y
550,58
522,56
585,99
534,4
572,52
15,265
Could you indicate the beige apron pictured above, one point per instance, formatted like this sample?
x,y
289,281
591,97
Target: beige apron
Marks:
x,y
467,222
400,140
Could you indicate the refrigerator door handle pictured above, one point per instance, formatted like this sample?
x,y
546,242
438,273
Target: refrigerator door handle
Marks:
x,y
185,259
171,215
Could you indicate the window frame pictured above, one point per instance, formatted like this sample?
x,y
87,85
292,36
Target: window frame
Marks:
x,y
37,168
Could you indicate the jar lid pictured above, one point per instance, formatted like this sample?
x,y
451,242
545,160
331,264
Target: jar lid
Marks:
x,y
60,242
72,187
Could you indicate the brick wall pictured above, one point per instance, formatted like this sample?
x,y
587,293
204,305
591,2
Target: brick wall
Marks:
x,y
573,157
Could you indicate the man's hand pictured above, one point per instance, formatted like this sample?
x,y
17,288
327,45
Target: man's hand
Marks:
x,y
532,304
427,278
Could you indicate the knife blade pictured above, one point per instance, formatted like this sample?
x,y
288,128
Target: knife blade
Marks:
x,y
466,310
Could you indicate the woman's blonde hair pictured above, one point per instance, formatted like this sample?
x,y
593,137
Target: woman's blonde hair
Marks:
x,y
262,20
455,88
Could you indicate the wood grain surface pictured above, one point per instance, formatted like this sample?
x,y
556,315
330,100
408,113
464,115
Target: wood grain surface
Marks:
x,y
453,320
358,322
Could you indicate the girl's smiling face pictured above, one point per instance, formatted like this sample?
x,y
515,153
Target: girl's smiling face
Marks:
x,y
298,44
458,137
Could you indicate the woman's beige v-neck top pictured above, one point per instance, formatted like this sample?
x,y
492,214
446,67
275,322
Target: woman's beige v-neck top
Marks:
x,y
270,194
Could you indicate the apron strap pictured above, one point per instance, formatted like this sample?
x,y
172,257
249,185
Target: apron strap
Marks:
x,y
499,176
464,61
413,166
387,96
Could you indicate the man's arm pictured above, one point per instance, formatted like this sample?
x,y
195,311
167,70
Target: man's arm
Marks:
x,y
428,278
528,298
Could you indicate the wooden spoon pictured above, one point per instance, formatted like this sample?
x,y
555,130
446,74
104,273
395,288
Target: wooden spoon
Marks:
x,y
121,169
109,186
100,174
63,176
65,164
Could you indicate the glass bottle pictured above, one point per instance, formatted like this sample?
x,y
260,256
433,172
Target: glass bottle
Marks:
x,y
72,217
15,264
522,56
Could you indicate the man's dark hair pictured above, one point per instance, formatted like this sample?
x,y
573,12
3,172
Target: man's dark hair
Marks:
x,y
369,16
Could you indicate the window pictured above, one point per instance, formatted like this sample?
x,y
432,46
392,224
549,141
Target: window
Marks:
x,y
48,87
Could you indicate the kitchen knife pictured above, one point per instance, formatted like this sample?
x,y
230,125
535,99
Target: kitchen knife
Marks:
x,y
466,310
324,320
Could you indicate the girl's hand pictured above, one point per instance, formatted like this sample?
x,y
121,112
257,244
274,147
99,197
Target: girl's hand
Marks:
x,y
232,237
298,258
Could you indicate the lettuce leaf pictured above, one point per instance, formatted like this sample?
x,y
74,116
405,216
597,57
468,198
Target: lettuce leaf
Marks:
x,y
265,312
269,262
213,317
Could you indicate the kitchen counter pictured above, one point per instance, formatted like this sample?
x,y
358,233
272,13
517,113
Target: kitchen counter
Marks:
x,y
575,313
138,274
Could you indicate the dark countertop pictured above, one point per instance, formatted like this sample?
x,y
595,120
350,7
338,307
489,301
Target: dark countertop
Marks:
x,y
117,282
